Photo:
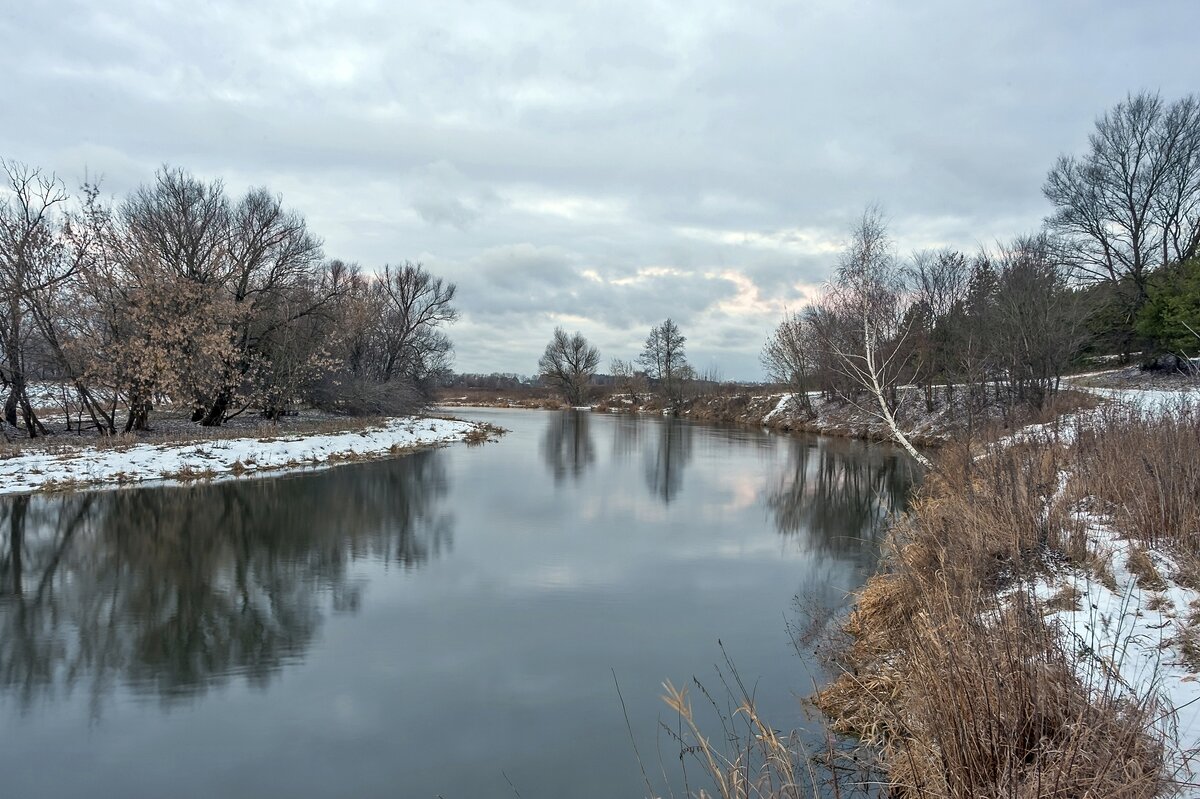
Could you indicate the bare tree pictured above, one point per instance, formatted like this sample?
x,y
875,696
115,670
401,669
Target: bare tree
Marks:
x,y
275,263
1131,203
628,378
938,284
62,310
33,260
788,358
568,364
416,306
1034,320
664,359
175,256
869,292
390,345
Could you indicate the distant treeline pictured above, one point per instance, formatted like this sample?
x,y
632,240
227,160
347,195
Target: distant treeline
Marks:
x,y
185,294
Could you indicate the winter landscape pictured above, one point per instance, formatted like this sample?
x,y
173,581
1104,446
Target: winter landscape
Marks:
x,y
485,403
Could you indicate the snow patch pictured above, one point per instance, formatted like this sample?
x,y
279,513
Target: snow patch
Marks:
x,y
1147,399
1128,636
781,407
219,458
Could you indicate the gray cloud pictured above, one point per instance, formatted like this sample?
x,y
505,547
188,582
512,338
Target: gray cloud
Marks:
x,y
600,167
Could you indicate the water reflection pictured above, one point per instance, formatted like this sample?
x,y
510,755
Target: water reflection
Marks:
x,y
665,462
838,492
567,445
221,604
172,590
627,434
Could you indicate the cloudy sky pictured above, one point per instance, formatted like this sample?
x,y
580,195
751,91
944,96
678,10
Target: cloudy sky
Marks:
x,y
596,165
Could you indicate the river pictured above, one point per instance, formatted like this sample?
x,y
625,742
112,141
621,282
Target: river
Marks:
x,y
447,623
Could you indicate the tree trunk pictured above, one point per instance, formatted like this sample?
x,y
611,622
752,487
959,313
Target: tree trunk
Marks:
x,y
10,406
216,412
106,427
139,415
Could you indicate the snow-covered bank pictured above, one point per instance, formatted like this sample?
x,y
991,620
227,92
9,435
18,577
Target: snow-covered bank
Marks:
x,y
948,419
79,467
1129,616
1132,631
1040,606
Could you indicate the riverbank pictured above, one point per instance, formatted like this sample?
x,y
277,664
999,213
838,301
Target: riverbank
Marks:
x,y
60,463
926,424
1034,629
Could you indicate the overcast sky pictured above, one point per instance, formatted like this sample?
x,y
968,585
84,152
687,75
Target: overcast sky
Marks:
x,y
600,166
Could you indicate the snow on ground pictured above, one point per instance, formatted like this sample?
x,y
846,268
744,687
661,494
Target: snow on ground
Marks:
x,y
219,458
45,393
1132,634
784,403
1121,630
1063,428
1148,399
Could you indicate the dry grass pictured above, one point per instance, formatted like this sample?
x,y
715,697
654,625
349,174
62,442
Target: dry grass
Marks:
x,y
958,683
1066,598
484,433
1144,571
969,695
954,674
1144,469
764,763
750,759
1187,643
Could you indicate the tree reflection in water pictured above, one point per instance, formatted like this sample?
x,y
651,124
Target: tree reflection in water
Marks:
x,y
839,492
627,434
666,462
567,445
172,590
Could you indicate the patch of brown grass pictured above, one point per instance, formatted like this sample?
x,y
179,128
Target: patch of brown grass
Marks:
x,y
1187,643
483,433
1144,571
1144,469
188,474
965,694
1065,599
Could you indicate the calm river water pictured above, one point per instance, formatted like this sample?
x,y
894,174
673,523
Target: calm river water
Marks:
x,y
443,624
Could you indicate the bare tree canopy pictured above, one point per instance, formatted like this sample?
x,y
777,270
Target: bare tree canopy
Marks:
x,y
664,359
628,379
35,258
789,357
1131,202
869,295
568,364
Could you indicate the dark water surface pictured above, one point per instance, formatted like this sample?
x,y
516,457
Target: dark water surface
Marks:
x,y
441,624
